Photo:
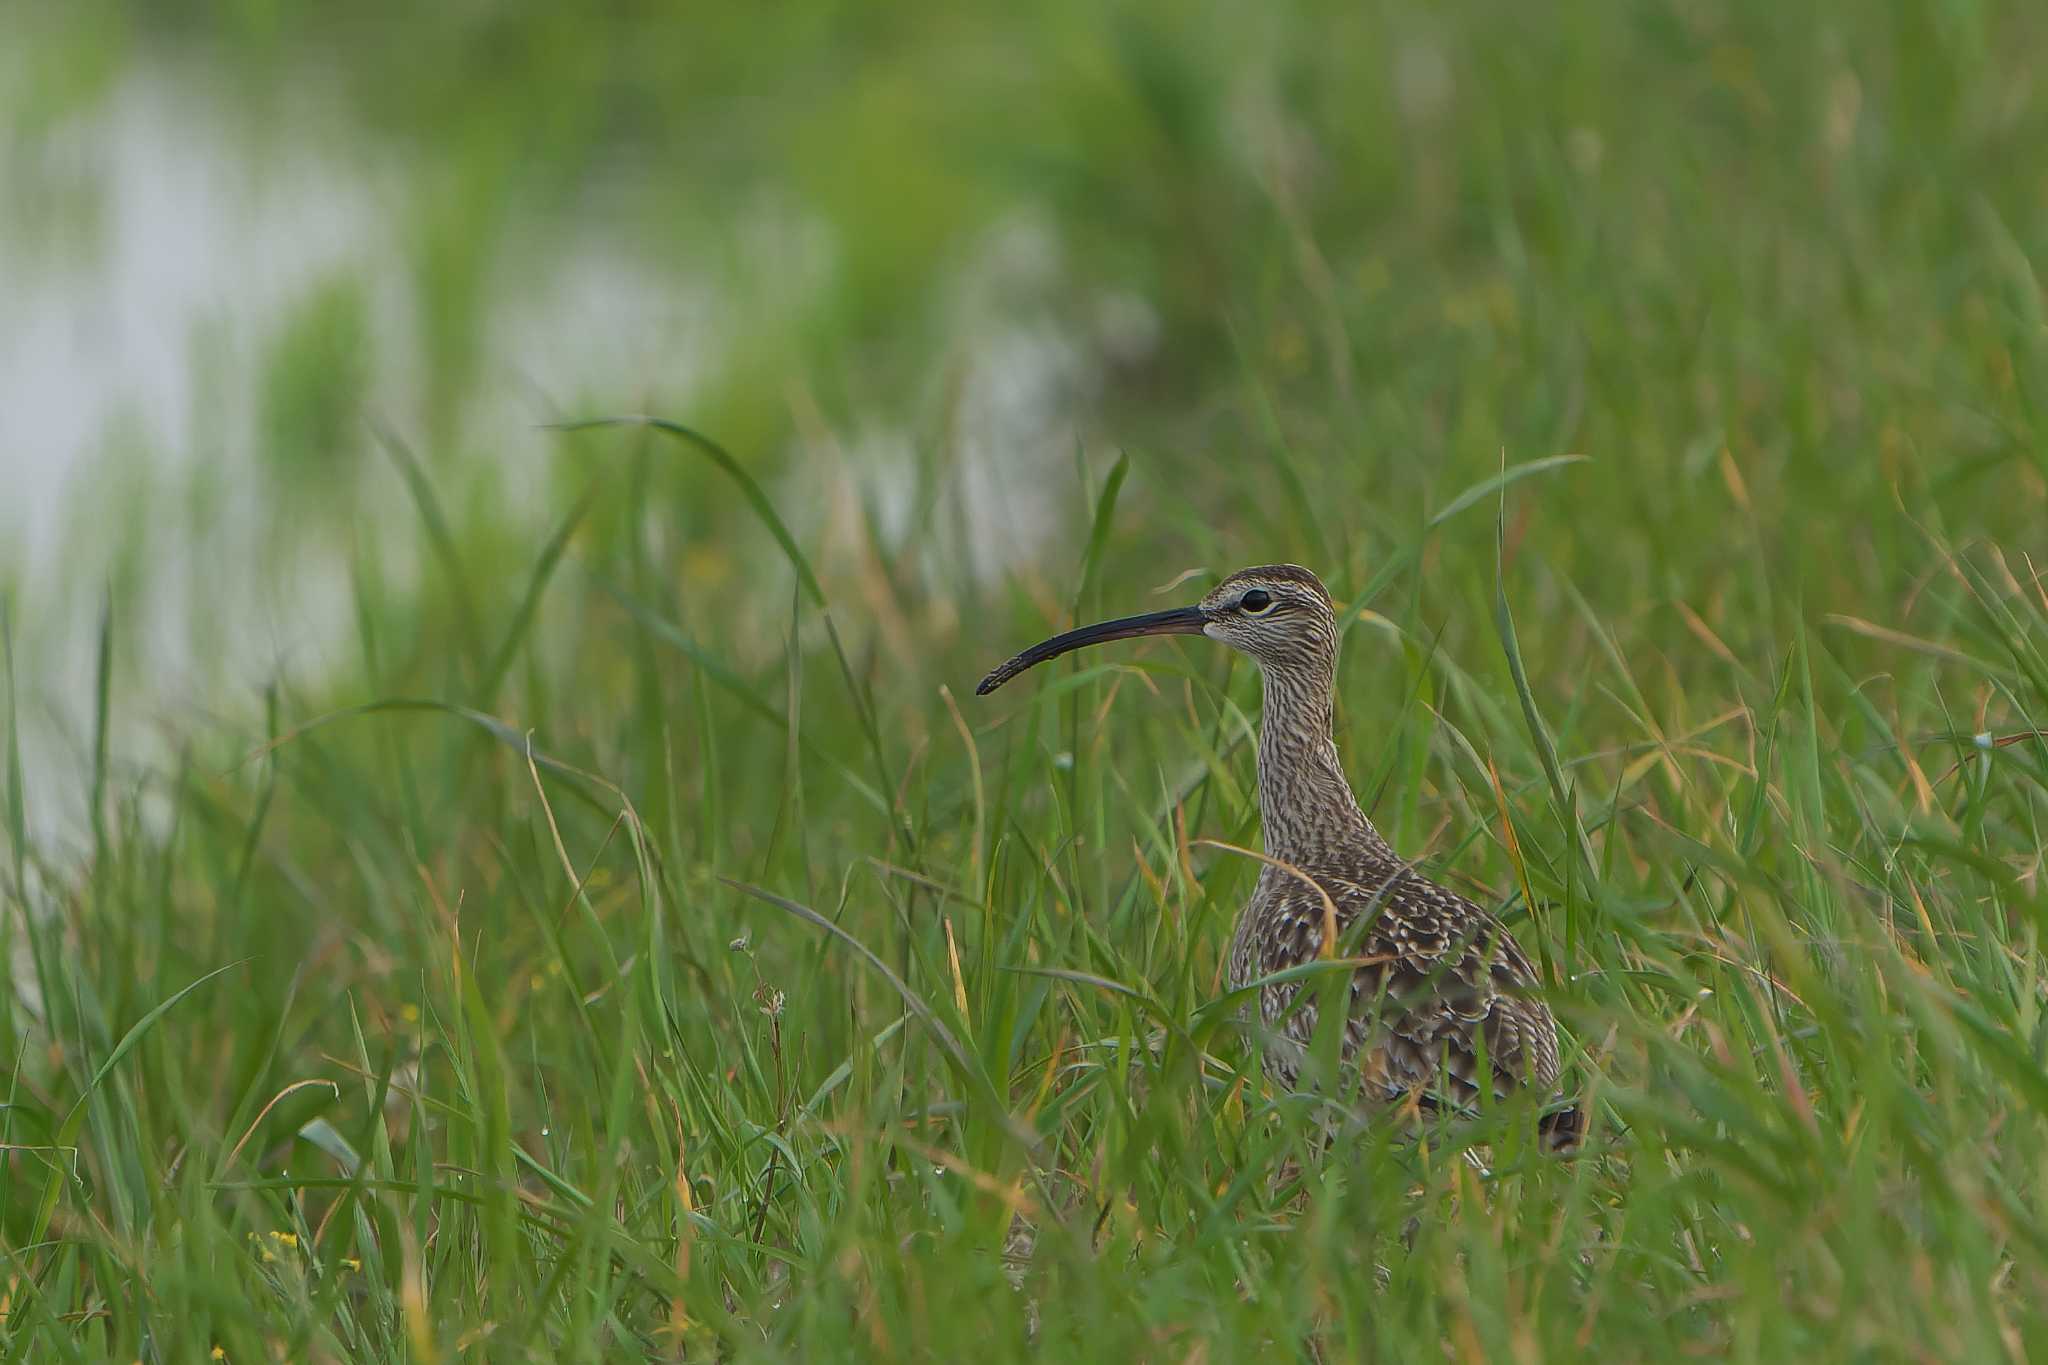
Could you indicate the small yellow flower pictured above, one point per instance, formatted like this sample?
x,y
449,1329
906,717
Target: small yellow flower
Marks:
x,y
409,1012
219,1354
290,1239
351,1263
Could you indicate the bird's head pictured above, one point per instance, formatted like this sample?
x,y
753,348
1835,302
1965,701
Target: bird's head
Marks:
x,y
1279,614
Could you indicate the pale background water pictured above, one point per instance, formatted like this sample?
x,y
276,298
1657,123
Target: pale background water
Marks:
x,y
164,255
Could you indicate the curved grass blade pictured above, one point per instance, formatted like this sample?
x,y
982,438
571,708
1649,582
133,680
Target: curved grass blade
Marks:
x,y
529,606
67,1132
134,1036
723,458
1098,534
1500,481
746,693
1151,1006
1539,733
438,534
975,1075
501,731
765,510
844,1071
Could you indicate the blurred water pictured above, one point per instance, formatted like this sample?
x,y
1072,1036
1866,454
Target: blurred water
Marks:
x,y
186,247
132,341
203,238
131,346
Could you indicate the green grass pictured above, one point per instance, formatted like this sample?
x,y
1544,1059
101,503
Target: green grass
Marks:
x,y
641,944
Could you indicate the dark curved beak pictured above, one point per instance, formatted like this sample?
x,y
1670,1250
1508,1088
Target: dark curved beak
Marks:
x,y
1179,621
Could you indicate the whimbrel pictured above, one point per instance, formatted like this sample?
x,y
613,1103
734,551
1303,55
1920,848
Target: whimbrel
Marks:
x,y
1442,1003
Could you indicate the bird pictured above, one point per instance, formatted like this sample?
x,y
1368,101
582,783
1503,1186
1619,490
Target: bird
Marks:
x,y
1443,1003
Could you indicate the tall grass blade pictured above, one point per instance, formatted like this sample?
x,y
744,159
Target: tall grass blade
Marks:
x,y
749,489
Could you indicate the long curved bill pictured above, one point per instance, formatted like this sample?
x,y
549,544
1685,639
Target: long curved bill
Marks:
x,y
1179,621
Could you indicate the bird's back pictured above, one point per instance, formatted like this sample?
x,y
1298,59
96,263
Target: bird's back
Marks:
x,y
1439,979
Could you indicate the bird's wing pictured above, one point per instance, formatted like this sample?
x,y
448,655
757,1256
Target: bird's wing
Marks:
x,y
1440,980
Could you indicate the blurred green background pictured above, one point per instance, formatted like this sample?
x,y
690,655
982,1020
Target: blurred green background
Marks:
x,y
993,316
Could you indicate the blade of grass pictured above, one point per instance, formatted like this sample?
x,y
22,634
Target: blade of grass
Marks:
x,y
1499,483
67,1132
969,1068
529,605
734,470
1098,532
467,619
1539,734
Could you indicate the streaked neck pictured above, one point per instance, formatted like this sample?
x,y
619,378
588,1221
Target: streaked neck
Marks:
x,y
1305,802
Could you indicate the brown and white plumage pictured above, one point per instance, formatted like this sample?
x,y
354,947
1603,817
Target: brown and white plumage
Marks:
x,y
1441,981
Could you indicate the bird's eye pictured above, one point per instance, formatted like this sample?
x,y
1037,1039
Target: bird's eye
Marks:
x,y
1257,602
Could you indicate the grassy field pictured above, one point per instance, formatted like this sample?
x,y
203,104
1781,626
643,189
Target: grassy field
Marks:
x,y
642,945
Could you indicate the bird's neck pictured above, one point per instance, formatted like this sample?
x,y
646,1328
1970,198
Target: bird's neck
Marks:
x,y
1304,800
